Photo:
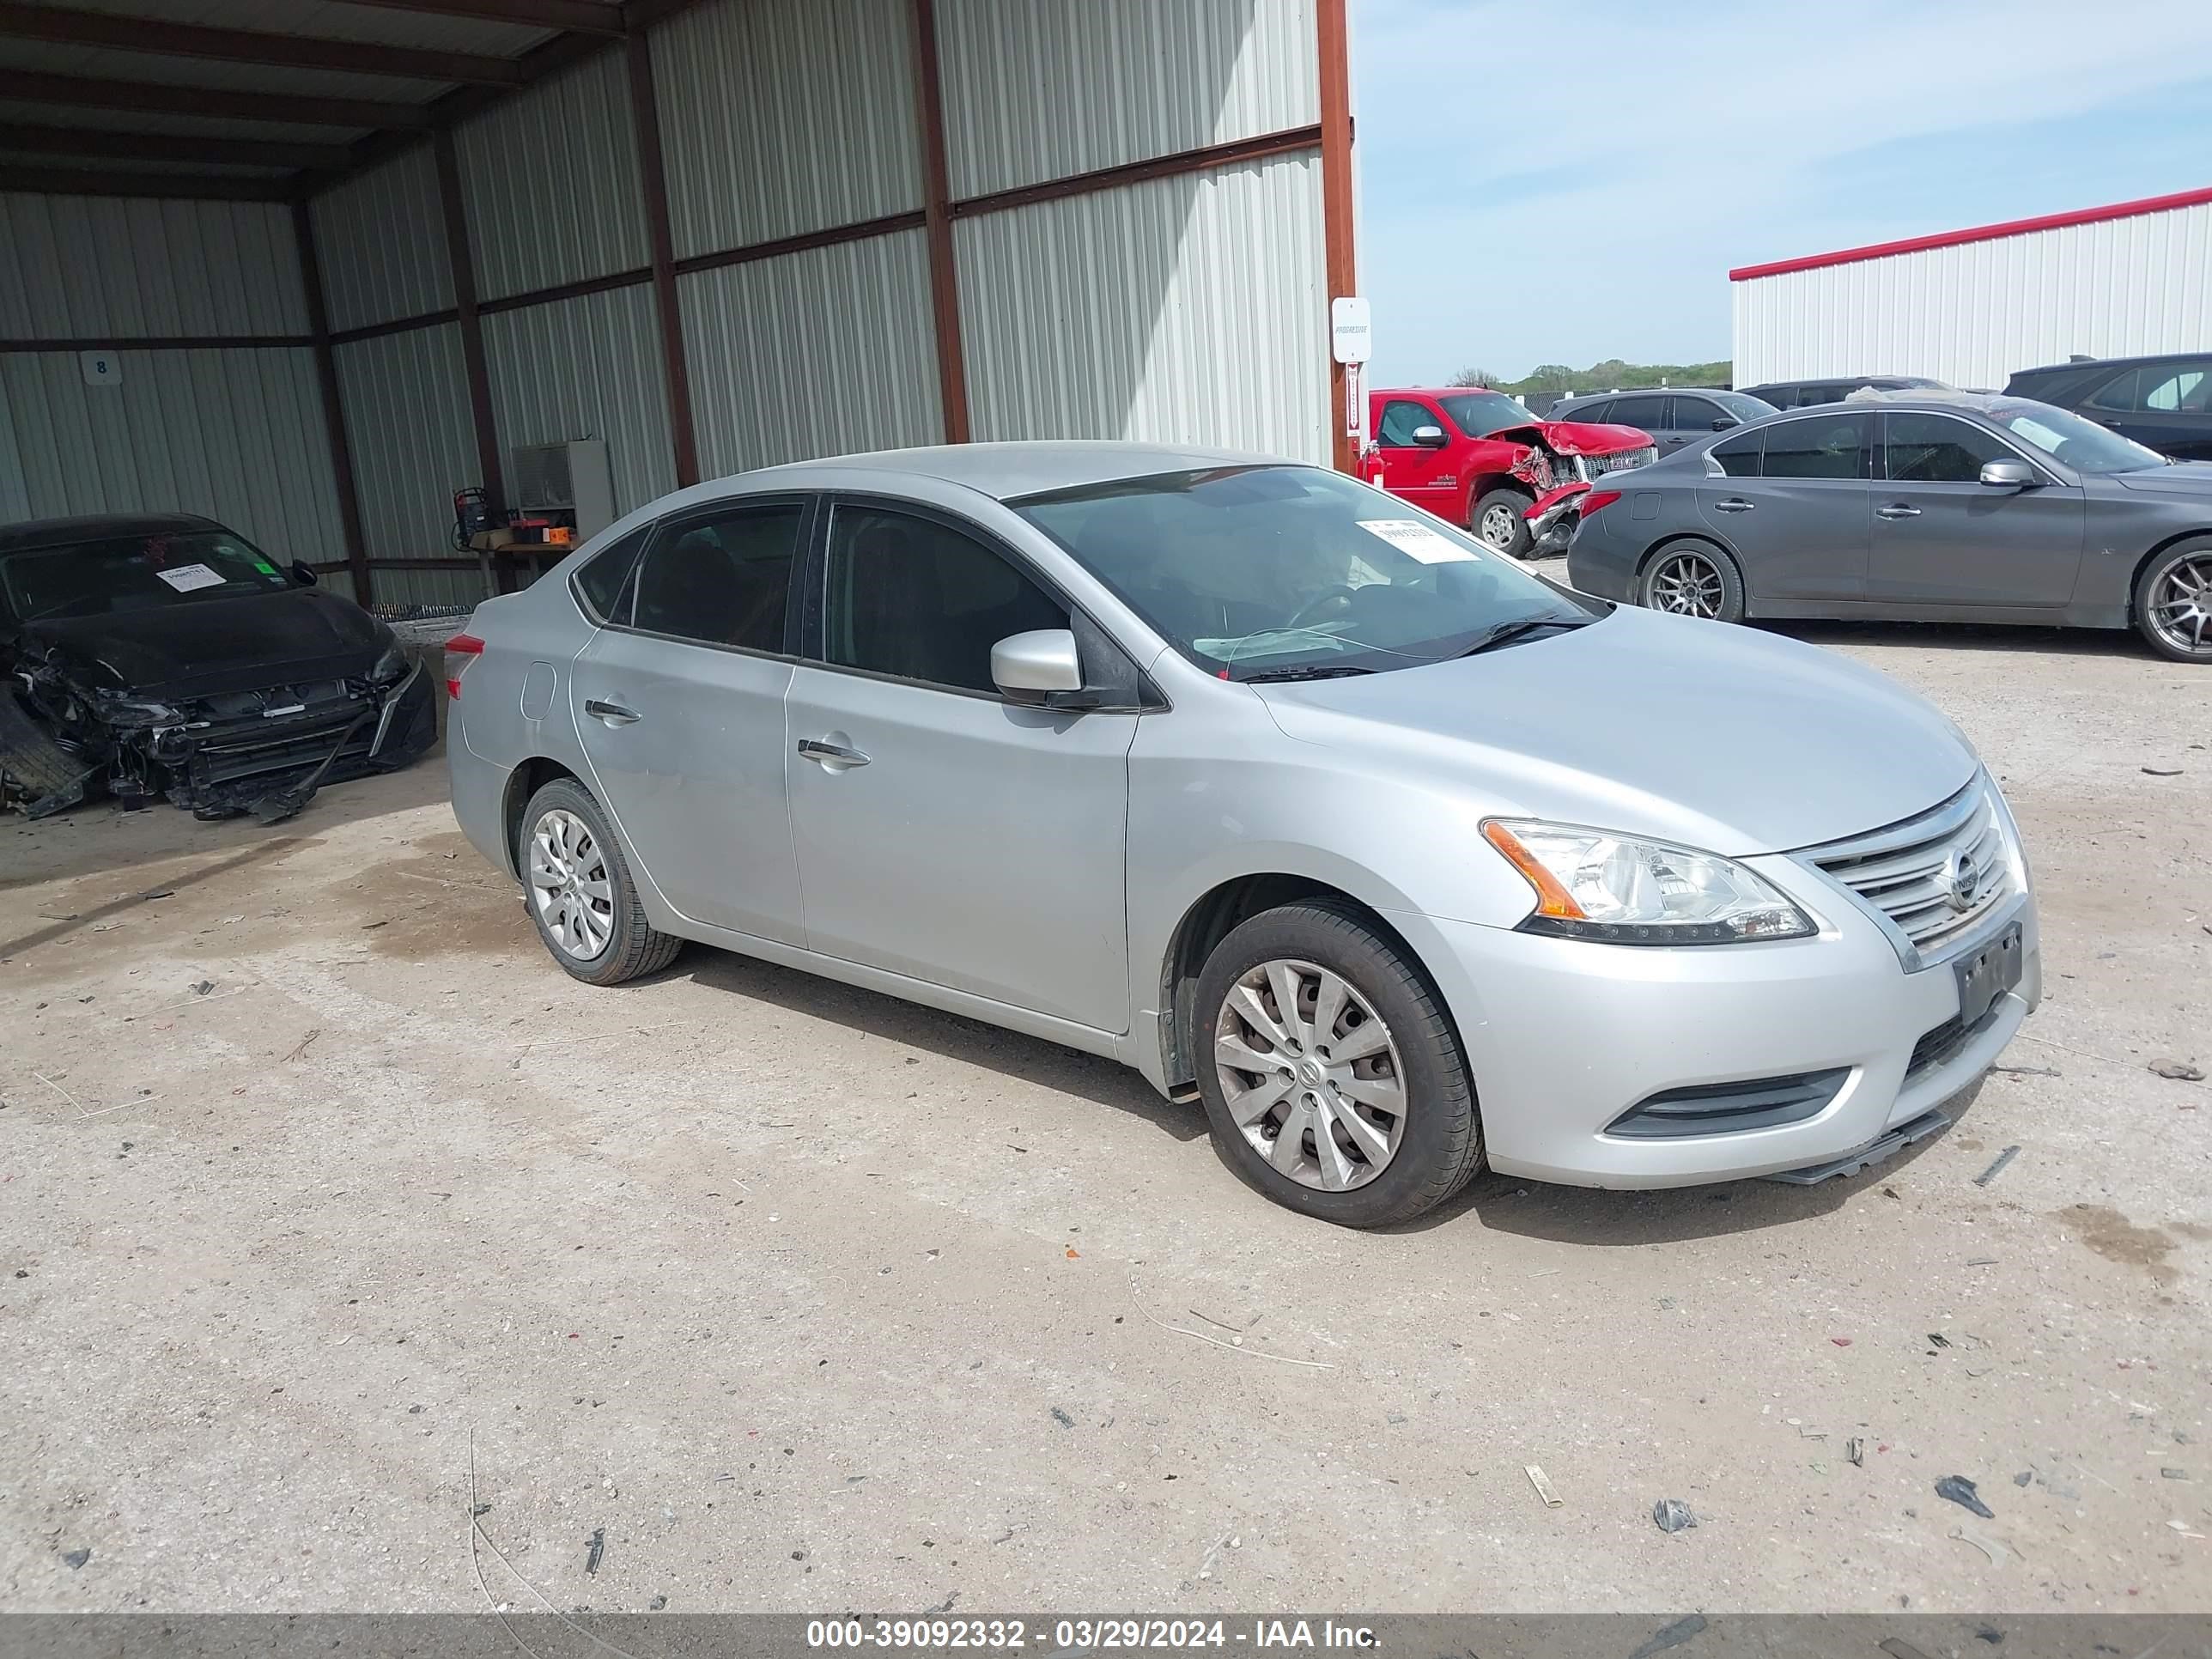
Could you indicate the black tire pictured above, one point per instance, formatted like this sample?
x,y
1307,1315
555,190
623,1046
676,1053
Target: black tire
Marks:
x,y
1668,564
634,947
1441,1144
1507,499
2153,588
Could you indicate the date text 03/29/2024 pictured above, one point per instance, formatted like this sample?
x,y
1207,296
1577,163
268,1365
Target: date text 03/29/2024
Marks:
x,y
1083,1634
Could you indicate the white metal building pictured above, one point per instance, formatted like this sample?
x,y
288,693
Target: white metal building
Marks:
x,y
307,266
1971,307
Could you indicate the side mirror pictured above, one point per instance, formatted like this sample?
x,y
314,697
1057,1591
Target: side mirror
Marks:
x,y
301,574
2007,474
1723,423
1032,667
1429,437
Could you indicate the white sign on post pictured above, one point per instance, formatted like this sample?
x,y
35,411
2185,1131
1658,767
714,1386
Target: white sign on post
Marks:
x,y
1348,329
100,368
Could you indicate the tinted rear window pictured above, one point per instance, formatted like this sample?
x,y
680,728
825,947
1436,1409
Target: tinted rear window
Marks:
x,y
1822,446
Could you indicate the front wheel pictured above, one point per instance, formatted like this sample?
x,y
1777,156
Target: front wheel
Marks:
x,y
1500,520
1334,1081
1690,579
2173,603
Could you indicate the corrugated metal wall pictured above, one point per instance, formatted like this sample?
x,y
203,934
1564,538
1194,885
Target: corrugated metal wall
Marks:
x,y
380,240
406,399
1974,312
550,179
81,267
1037,91
1191,309
780,120
813,354
587,368
235,434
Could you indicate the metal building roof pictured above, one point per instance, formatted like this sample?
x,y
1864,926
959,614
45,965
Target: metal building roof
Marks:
x,y
262,97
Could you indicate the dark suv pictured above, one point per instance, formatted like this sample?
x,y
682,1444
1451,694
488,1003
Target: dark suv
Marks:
x,y
2163,402
1673,416
1804,394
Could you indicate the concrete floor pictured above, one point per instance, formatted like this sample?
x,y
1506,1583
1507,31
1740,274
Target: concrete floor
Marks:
x,y
804,1299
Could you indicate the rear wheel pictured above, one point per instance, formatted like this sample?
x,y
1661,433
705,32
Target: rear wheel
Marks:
x,y
1500,520
2173,602
581,896
1693,579
1333,1082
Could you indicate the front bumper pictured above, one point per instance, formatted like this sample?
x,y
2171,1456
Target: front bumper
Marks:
x,y
1564,1037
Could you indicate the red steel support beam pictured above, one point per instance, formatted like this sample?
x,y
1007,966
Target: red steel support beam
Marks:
x,y
185,186
153,34
465,299
582,16
95,144
1338,248
326,371
937,224
88,92
645,109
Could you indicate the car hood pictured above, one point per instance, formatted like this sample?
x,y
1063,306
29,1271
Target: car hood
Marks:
x,y
1721,738
1578,437
210,646
2191,478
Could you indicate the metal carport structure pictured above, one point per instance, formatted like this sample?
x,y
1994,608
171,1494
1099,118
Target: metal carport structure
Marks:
x,y
335,258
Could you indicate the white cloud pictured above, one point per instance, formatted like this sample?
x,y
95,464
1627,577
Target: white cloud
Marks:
x,y
1699,127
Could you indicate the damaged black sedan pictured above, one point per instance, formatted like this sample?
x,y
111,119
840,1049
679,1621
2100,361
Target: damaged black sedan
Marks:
x,y
164,656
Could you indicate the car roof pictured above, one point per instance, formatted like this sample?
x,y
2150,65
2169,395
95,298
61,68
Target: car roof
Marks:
x,y
60,532
1004,471
2087,364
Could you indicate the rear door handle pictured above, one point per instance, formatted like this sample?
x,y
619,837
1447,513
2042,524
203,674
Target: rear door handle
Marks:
x,y
831,754
1733,504
1897,510
612,713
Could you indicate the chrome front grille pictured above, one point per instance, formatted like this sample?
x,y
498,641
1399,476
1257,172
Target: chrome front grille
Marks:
x,y
1935,875
1590,468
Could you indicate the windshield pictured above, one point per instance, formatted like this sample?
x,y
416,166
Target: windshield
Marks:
x,y
1252,571
2083,444
1741,405
134,573
1478,413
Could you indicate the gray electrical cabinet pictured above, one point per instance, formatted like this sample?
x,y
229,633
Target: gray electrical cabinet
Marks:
x,y
571,479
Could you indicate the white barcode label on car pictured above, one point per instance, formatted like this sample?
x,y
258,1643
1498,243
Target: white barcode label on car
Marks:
x,y
185,577
1413,538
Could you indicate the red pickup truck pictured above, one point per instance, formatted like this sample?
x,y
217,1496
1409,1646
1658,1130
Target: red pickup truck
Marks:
x,y
1477,458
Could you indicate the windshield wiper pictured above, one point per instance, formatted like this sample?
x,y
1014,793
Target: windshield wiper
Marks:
x,y
1312,670
1505,631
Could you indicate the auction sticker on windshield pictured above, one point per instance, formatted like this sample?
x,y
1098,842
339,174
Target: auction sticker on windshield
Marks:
x,y
186,577
1416,539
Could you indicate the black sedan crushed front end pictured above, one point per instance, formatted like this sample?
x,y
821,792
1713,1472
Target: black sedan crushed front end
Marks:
x,y
67,732
156,655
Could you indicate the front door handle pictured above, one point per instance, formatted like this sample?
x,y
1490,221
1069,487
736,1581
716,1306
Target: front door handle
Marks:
x,y
831,754
1897,510
612,713
1733,504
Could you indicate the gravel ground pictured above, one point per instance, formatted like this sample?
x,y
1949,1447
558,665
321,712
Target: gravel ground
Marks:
x,y
800,1298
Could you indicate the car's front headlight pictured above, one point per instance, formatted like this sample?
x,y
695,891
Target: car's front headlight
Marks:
x,y
389,667
1622,890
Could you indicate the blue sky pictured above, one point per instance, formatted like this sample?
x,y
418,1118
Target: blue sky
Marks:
x,y
1568,180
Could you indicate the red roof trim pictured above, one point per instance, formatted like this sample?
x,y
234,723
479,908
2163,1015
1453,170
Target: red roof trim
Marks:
x,y
1979,233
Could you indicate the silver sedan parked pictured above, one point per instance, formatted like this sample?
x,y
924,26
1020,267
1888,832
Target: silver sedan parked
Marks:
x,y
1918,507
1299,802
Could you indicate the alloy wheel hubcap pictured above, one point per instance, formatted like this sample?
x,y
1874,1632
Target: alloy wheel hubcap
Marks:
x,y
1311,1074
2181,605
569,884
1498,526
1686,585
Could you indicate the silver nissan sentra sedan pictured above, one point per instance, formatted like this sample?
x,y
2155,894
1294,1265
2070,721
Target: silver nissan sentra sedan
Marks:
x,y
1298,800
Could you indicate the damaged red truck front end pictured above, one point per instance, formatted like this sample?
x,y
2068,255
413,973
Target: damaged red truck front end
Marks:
x,y
1479,458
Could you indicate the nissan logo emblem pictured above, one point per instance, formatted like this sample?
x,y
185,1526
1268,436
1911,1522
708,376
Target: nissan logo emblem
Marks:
x,y
1965,877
